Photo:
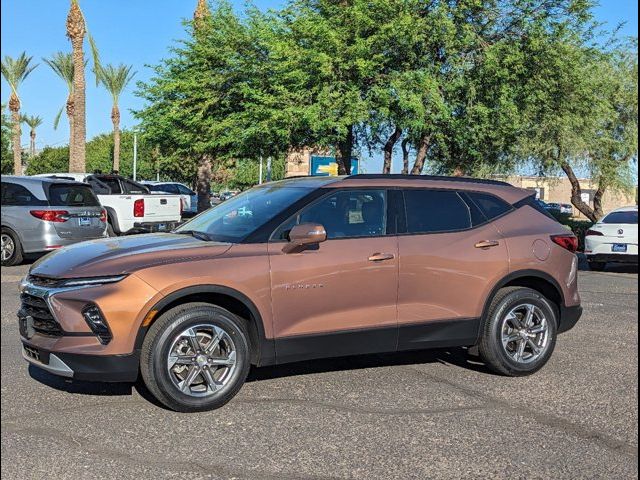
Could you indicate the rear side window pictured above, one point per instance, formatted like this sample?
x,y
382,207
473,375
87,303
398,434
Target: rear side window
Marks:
x,y
63,195
433,211
628,218
490,206
18,196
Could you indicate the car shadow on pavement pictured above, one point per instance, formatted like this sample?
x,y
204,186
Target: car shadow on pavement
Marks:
x,y
460,357
77,386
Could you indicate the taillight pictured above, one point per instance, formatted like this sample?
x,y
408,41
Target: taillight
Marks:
x,y
138,208
592,233
103,216
59,216
568,242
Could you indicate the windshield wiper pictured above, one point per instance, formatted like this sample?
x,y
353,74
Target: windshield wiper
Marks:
x,y
196,234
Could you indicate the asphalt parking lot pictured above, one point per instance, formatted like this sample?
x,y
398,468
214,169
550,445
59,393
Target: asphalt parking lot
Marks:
x,y
421,415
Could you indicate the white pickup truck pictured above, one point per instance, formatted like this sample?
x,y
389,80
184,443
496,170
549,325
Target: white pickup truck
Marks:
x,y
130,207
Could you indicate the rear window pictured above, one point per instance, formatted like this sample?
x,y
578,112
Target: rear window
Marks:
x,y
491,206
433,211
629,218
63,195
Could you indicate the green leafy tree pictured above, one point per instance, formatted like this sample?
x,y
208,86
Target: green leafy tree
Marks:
x,y
15,71
115,80
5,145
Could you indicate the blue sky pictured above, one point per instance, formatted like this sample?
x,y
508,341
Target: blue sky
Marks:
x,y
136,32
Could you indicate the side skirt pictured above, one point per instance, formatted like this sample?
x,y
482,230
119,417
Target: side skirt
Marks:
x,y
433,334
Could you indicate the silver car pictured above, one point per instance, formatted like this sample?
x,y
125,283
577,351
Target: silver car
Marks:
x,y
43,214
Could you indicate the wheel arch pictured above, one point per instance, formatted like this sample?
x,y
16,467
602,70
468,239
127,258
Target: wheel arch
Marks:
x,y
534,279
112,218
262,349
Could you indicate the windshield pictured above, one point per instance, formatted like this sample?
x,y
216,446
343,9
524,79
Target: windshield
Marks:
x,y
237,218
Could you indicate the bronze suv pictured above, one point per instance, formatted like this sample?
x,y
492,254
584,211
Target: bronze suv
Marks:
x,y
307,268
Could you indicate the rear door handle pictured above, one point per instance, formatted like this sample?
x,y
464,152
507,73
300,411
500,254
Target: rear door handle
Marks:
x,y
379,257
487,244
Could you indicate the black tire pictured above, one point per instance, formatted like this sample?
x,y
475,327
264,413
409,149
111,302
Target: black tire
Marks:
x,y
597,266
110,231
17,255
490,346
158,342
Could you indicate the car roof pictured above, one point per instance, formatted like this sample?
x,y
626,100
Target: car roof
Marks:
x,y
26,180
631,208
504,190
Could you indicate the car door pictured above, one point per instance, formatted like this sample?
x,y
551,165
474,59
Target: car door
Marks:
x,y
451,255
337,297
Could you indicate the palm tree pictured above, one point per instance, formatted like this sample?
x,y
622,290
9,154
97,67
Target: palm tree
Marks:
x,y
33,122
115,80
76,30
15,71
62,64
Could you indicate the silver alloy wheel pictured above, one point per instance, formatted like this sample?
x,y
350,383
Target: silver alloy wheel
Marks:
x,y
201,360
525,333
8,247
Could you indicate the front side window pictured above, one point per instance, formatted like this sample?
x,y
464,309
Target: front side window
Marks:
x,y
237,218
184,190
344,214
435,211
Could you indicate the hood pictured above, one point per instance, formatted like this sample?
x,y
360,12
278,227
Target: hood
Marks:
x,y
120,255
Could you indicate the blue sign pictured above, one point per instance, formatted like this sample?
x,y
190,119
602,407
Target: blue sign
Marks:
x,y
327,166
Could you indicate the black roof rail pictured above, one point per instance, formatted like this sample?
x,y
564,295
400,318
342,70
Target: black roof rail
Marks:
x,y
439,178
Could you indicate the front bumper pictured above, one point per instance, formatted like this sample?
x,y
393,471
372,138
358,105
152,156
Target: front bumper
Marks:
x,y
97,368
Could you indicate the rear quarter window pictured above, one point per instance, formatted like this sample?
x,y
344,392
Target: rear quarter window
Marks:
x,y
63,195
14,195
490,205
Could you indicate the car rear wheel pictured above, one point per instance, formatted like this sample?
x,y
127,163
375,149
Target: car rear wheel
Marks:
x,y
195,357
11,248
519,333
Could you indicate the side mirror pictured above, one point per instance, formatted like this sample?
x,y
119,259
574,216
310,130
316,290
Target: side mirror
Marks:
x,y
304,234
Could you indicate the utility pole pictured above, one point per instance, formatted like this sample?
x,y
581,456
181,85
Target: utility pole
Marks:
x,y
268,179
260,177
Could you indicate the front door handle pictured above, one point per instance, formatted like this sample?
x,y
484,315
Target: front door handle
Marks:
x,y
487,244
379,257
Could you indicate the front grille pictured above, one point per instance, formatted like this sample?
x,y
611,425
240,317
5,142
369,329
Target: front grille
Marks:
x,y
38,309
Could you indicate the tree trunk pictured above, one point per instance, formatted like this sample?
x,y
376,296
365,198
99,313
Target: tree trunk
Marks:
x,y
345,149
70,114
14,107
32,144
388,150
576,194
597,199
405,156
421,155
203,183
115,118
76,30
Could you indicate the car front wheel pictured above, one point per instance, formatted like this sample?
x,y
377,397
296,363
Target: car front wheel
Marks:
x,y
195,357
519,333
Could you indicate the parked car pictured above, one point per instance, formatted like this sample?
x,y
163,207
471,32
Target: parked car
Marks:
x,y
613,239
130,206
189,197
562,208
322,267
40,215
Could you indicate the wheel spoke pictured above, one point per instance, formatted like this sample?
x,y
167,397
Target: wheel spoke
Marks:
x,y
537,329
520,351
528,319
194,371
180,360
511,338
513,318
193,340
215,341
534,347
212,384
227,362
